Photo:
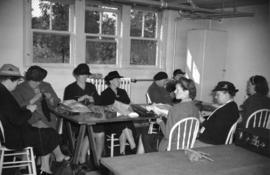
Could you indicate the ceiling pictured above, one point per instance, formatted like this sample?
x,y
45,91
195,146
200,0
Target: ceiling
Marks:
x,y
199,9
218,4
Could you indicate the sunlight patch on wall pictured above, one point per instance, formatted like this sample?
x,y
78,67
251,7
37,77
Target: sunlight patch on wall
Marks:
x,y
192,68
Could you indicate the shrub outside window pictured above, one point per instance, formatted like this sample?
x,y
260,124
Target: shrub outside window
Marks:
x,y
143,37
101,34
50,32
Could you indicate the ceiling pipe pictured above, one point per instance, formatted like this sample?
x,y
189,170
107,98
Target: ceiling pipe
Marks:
x,y
165,5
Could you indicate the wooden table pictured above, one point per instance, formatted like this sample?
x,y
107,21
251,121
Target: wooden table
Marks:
x,y
86,121
228,160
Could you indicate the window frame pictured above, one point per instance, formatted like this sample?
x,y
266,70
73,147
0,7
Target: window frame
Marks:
x,y
28,37
78,38
156,38
100,35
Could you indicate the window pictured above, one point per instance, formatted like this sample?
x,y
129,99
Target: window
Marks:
x,y
101,34
68,32
143,34
50,32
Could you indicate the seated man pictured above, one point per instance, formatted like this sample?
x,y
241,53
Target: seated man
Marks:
x,y
157,91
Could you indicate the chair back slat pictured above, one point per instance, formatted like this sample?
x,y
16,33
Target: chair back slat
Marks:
x,y
2,133
231,132
125,83
258,119
187,130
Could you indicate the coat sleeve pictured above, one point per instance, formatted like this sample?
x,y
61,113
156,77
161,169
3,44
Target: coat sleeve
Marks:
x,y
124,96
14,113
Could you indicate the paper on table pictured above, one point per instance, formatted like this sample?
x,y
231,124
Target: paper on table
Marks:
x,y
76,106
159,109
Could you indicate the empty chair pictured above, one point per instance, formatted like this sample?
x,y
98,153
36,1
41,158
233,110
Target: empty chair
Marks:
x,y
10,158
186,133
153,126
114,142
258,119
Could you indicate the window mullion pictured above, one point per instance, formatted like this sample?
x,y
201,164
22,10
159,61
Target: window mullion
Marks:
x,y
143,19
100,24
50,25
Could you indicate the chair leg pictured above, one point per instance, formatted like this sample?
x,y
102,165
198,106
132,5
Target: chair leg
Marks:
x,y
112,145
1,160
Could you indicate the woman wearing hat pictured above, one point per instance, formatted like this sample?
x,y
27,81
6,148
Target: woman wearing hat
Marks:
x,y
35,91
215,128
18,132
108,97
85,92
257,91
157,90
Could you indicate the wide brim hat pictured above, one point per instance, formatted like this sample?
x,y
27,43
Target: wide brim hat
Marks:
x,y
82,69
35,73
10,70
225,86
112,75
160,76
178,71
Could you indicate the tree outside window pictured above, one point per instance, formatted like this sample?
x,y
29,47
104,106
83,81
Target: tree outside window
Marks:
x,y
101,34
50,32
143,37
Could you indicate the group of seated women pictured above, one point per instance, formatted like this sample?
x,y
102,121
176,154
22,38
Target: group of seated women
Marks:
x,y
24,109
215,128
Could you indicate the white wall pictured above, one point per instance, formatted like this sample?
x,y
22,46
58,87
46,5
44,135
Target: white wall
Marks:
x,y
248,48
11,32
248,51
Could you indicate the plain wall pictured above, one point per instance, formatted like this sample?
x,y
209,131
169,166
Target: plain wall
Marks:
x,y
248,50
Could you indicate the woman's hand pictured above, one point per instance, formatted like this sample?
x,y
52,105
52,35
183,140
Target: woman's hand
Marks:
x,y
35,98
159,120
32,108
86,97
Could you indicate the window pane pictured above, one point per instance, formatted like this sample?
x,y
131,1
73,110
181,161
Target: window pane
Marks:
x,y
40,14
143,52
101,51
50,48
150,25
92,21
136,23
60,14
109,23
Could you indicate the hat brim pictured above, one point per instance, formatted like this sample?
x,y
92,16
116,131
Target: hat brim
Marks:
x,y
112,77
11,75
224,89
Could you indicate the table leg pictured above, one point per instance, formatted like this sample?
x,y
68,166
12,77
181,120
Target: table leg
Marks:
x,y
79,144
70,136
92,145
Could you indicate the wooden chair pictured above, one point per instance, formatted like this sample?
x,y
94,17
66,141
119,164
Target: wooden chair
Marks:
x,y
187,130
153,126
258,119
230,135
9,157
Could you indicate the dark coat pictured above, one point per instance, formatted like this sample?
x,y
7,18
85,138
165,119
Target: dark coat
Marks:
x,y
18,132
108,96
219,123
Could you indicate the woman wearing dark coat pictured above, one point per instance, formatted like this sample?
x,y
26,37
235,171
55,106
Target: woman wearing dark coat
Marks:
x,y
215,128
18,132
113,93
85,93
257,91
